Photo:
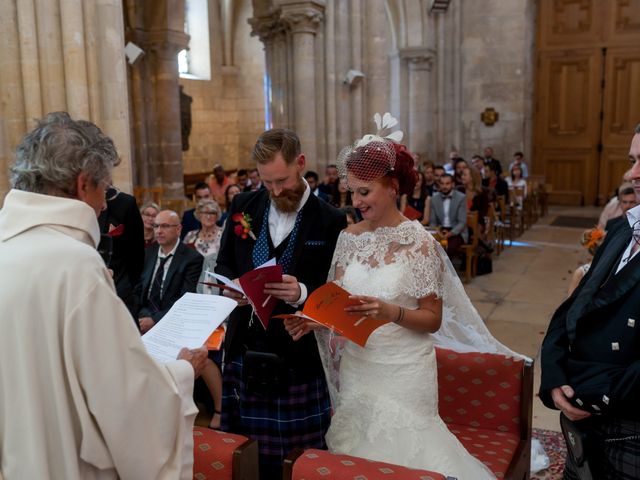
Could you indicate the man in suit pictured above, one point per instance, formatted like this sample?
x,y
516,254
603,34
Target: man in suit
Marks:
x,y
491,161
171,269
189,220
591,353
627,200
313,180
122,226
449,214
274,389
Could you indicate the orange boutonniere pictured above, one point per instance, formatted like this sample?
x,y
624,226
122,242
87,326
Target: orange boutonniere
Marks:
x,y
243,227
591,239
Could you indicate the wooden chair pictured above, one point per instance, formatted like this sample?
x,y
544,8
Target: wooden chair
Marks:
x,y
150,194
489,228
471,249
505,220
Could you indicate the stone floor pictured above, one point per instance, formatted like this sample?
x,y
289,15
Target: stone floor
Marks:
x,y
528,282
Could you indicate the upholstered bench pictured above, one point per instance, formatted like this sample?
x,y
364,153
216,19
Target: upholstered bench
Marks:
x,y
486,401
223,456
323,465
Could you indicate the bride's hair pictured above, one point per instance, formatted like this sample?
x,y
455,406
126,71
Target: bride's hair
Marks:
x,y
404,171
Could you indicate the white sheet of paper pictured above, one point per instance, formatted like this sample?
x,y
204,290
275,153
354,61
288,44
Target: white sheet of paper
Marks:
x,y
228,282
189,323
269,263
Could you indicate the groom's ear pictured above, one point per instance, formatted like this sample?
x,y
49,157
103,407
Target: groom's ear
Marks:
x,y
301,161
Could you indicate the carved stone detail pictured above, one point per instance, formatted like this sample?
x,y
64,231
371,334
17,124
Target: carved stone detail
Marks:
x,y
418,58
268,27
303,20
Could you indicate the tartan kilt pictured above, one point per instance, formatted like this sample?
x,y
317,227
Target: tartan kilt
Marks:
x,y
613,452
298,418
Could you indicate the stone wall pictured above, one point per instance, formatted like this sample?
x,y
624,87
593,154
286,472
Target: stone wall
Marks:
x,y
228,110
497,58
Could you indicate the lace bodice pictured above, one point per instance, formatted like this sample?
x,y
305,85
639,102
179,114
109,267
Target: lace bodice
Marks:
x,y
406,253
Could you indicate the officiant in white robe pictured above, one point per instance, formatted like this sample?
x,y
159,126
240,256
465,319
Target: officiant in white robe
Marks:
x,y
79,396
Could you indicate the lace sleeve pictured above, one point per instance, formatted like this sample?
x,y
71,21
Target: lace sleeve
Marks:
x,y
425,266
341,255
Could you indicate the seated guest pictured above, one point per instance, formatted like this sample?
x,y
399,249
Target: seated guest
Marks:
x,y
626,201
449,166
256,183
206,239
459,166
148,212
313,180
171,269
242,179
493,181
492,162
478,198
438,172
330,184
515,181
429,176
79,391
189,221
449,215
122,223
478,162
613,209
352,214
218,182
518,159
419,200
231,191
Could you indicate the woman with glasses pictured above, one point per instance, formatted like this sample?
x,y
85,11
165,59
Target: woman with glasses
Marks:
x,y
206,240
149,212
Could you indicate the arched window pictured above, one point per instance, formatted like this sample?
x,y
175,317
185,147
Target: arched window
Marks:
x,y
195,62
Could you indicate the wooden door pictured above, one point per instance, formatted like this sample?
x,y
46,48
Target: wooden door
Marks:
x,y
587,95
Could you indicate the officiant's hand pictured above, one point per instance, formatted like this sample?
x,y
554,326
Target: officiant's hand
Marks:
x,y
287,290
146,324
372,307
237,296
196,357
560,396
298,327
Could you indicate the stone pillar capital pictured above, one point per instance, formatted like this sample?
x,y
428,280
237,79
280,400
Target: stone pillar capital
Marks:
x,y
164,43
302,17
418,58
268,27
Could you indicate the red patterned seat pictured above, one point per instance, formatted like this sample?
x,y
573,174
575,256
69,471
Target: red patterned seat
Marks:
x,y
486,400
323,465
223,456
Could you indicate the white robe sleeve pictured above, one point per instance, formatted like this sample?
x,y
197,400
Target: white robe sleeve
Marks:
x,y
136,416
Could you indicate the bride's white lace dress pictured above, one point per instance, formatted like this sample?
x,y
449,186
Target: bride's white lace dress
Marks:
x,y
385,395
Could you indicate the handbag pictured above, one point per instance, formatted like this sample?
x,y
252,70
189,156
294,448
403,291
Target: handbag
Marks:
x,y
577,445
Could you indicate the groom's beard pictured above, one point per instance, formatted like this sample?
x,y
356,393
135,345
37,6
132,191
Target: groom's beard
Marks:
x,y
288,200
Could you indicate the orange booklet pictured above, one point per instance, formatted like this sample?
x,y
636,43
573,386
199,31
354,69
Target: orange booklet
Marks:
x,y
411,213
326,306
214,342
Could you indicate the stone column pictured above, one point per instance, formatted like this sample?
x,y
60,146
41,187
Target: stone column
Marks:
x,y
166,152
420,134
271,31
78,67
303,20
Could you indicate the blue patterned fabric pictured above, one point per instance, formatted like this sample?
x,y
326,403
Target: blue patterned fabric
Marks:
x,y
261,249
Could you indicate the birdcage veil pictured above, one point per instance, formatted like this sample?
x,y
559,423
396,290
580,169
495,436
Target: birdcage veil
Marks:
x,y
372,156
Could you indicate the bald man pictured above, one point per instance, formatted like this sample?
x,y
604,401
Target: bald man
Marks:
x,y
170,270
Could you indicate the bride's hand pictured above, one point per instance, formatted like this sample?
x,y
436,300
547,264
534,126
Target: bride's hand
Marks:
x,y
373,307
297,327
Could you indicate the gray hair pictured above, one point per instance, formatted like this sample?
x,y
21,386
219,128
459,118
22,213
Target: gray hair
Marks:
x,y
210,205
153,205
51,156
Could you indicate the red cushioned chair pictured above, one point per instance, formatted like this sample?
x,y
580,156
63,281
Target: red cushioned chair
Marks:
x,y
486,401
323,465
223,456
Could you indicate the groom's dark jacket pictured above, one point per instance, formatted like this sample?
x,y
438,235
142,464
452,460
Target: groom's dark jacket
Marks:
x,y
316,240
593,340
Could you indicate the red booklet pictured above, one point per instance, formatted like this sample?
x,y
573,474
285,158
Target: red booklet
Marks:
x,y
253,283
326,306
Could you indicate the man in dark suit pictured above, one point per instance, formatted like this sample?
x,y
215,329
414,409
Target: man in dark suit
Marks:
x,y
449,214
189,220
591,353
274,388
494,162
313,180
122,224
171,269
627,200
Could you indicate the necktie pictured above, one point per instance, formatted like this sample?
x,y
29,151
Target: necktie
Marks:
x,y
155,294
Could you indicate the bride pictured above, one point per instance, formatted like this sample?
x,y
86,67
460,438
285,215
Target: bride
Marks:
x,y
384,395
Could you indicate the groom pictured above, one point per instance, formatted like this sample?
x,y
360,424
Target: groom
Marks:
x,y
274,389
